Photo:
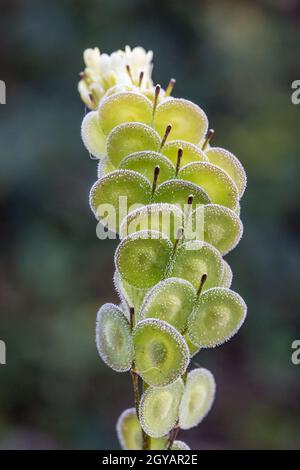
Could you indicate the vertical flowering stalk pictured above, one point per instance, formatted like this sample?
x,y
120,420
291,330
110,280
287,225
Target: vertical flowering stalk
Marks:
x,y
181,216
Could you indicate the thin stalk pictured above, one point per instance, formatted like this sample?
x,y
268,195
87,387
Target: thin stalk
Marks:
x,y
173,435
136,392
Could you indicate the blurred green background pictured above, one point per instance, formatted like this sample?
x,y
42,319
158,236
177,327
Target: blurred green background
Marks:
x,y
236,59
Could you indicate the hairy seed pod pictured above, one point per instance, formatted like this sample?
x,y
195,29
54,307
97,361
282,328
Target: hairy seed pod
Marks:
x,y
113,338
160,352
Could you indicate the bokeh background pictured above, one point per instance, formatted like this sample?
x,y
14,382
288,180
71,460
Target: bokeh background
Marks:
x,y
237,59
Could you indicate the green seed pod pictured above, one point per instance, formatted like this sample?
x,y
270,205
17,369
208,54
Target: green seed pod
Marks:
x,y
192,347
180,445
129,295
217,317
113,338
104,167
159,407
142,258
160,352
164,218
222,227
195,258
170,300
197,399
124,107
92,135
227,275
178,192
129,430
128,138
229,163
113,195
190,152
145,163
130,436
188,121
219,186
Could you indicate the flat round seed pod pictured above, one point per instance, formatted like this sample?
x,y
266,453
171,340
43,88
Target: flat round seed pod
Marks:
x,y
142,258
192,348
217,317
190,152
128,138
218,185
130,436
227,275
195,258
160,352
164,218
229,163
159,407
180,445
124,107
113,196
104,167
113,338
92,135
197,399
145,163
188,121
170,300
129,430
222,227
128,294
178,191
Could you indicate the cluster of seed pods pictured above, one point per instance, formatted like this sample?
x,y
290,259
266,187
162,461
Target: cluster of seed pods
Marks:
x,y
175,297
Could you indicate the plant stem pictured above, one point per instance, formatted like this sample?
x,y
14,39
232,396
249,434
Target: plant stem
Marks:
x,y
173,434
135,383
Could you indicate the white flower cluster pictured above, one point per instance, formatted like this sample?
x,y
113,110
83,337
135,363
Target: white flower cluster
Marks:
x,y
121,69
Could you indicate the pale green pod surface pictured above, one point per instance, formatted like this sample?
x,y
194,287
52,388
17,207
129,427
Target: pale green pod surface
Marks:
x,y
159,408
215,181
142,258
188,121
198,397
129,295
222,227
145,163
195,258
191,153
130,436
227,275
180,445
231,164
113,338
104,167
160,352
178,191
128,138
129,430
112,196
164,218
124,107
217,317
92,135
192,347
158,443
170,300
